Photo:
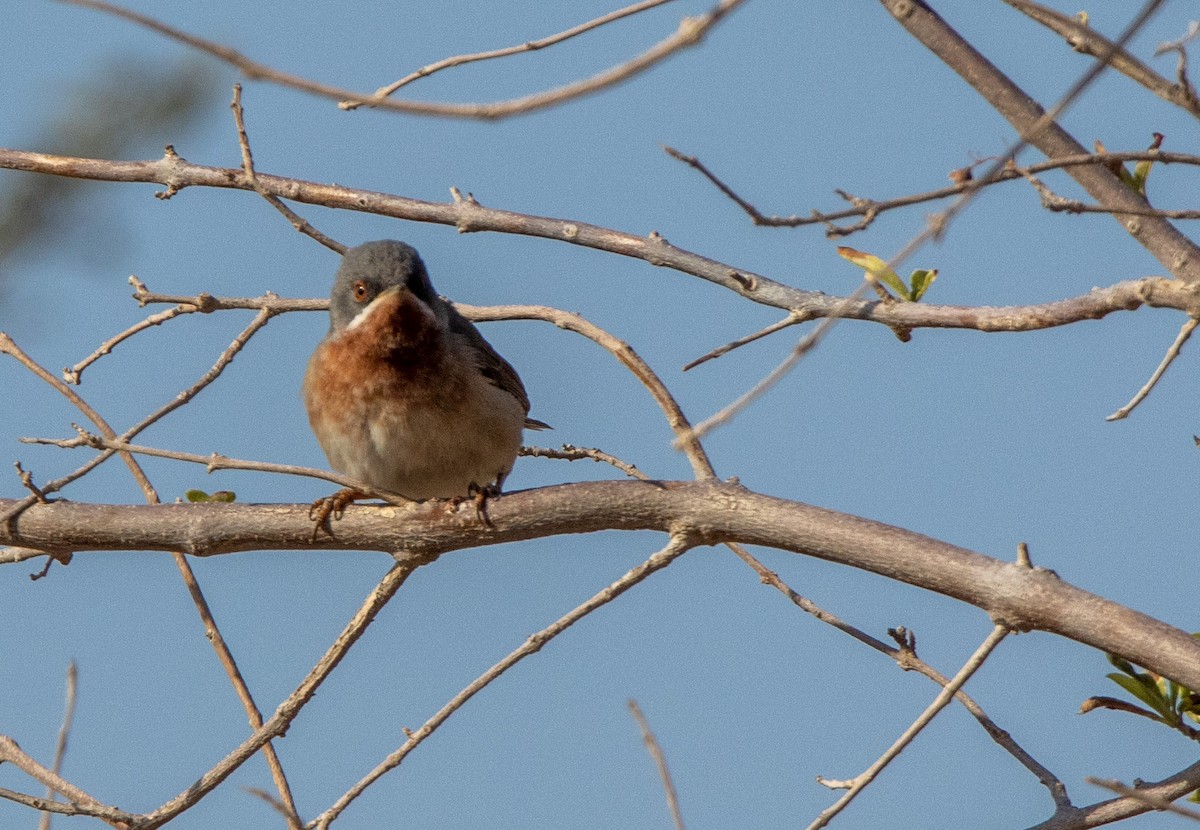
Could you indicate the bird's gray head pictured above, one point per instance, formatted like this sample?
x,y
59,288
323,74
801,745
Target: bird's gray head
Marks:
x,y
370,269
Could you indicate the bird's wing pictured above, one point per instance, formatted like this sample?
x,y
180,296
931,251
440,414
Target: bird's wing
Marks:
x,y
491,365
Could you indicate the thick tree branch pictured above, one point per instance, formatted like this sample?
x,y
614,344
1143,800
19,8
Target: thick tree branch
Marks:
x,y
1016,596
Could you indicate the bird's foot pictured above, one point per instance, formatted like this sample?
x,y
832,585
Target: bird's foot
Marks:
x,y
331,507
480,496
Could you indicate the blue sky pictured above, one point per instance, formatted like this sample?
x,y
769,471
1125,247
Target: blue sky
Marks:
x,y
981,440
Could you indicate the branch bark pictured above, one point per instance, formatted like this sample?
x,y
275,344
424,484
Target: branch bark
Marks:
x,y
1014,595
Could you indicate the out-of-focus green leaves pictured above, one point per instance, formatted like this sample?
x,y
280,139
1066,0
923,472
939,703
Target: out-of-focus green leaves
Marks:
x,y
125,108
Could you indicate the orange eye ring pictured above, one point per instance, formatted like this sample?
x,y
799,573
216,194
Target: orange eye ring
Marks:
x,y
360,291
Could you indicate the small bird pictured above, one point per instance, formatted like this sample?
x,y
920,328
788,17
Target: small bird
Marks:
x,y
404,394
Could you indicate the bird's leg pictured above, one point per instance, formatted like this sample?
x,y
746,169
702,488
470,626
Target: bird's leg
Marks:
x,y
481,496
331,506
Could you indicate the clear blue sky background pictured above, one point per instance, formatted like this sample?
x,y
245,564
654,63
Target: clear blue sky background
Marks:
x,y
981,440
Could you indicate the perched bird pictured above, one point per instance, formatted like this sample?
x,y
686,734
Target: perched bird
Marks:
x,y
404,393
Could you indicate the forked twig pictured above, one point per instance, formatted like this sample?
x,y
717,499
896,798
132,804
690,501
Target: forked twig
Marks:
x,y
528,46
691,31
297,221
856,785
676,547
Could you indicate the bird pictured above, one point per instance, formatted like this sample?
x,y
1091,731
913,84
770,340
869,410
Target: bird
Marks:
x,y
404,394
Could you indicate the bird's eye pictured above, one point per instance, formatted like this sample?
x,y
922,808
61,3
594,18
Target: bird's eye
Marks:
x,y
360,291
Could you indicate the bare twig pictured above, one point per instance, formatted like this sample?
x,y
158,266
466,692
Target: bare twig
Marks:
x,y
679,543
8,346
660,761
1181,67
944,697
790,320
73,374
691,31
907,659
1173,352
569,452
278,723
798,352
528,46
624,354
298,222
868,209
215,461
64,731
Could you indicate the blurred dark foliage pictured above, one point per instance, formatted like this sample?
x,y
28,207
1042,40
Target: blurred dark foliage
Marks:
x,y
123,108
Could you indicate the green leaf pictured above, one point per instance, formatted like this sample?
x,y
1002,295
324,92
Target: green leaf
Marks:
x,y
921,280
1146,694
201,497
1121,664
876,268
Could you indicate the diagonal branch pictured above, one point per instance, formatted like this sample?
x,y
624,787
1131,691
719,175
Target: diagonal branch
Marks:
x,y
1174,250
973,664
1088,41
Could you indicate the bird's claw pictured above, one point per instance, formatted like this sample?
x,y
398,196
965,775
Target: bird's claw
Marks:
x,y
331,507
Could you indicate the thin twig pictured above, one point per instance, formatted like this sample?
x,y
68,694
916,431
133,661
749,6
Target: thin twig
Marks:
x,y
278,723
631,360
869,209
660,761
8,346
297,221
215,461
943,698
790,320
908,660
528,46
691,31
1181,67
569,452
678,544
802,348
73,374
1173,352
64,731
